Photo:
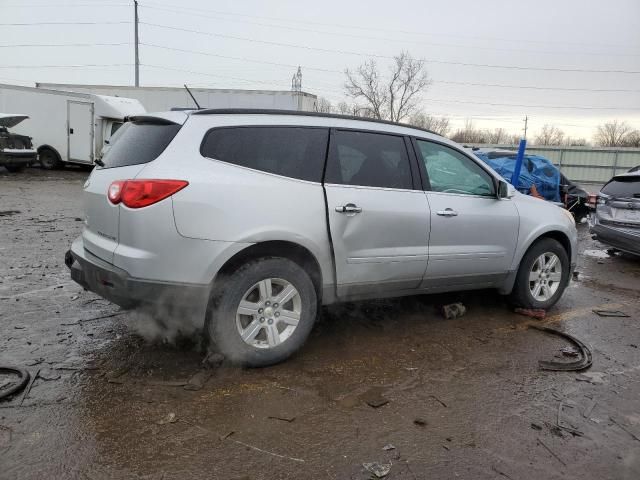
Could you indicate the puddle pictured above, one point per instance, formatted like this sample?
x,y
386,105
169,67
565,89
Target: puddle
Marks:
x,y
596,254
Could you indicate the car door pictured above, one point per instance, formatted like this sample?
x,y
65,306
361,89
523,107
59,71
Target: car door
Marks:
x,y
473,232
378,217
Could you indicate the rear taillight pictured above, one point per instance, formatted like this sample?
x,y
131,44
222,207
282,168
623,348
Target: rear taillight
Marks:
x,y
142,193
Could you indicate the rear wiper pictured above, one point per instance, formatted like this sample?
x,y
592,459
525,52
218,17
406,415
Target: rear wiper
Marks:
x,y
99,162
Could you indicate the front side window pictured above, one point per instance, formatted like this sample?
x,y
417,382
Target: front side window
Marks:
x,y
450,171
296,152
368,159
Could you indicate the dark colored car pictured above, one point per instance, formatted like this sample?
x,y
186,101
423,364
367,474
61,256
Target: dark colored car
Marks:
x,y
575,198
616,220
16,151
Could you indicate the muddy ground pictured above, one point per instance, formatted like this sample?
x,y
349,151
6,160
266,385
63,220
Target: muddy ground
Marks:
x,y
466,398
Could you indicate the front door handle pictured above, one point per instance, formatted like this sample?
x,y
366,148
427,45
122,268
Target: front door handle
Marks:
x,y
348,208
447,212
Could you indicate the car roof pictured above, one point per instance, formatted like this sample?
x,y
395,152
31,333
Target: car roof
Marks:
x,y
627,175
253,111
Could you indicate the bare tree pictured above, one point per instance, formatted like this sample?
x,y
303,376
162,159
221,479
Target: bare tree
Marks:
x,y
497,136
468,134
612,134
439,125
549,135
574,142
390,98
323,105
633,139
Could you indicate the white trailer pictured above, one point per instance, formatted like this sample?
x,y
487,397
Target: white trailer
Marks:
x,y
67,127
160,99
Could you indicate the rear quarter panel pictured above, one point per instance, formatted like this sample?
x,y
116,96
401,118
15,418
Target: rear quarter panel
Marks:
x,y
228,203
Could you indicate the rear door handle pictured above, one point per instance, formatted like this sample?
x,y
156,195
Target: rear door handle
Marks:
x,y
447,212
348,208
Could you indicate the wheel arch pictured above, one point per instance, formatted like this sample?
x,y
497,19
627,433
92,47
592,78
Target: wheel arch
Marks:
x,y
555,234
45,146
274,248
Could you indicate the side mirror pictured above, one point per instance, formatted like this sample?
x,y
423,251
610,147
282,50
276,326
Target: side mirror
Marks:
x,y
505,190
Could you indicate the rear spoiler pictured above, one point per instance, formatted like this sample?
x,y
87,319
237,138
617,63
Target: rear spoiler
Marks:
x,y
150,119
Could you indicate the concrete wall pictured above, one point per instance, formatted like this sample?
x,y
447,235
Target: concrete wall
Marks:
x,y
157,99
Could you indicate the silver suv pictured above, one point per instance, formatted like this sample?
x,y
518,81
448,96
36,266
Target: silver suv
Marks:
x,y
257,218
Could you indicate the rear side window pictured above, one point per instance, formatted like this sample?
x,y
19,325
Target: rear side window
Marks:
x,y
623,187
135,143
368,159
295,152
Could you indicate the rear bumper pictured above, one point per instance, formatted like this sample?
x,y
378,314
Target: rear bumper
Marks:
x,y
622,239
117,286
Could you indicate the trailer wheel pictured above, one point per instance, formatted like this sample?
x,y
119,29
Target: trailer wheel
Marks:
x,y
49,159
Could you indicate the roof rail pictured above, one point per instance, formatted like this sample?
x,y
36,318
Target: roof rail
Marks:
x,y
259,111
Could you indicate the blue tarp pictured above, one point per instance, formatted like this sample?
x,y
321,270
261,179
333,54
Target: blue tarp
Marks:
x,y
535,170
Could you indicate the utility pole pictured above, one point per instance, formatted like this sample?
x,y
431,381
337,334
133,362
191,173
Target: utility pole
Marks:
x,y
526,121
137,59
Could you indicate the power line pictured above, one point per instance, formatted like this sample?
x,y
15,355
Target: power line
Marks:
x,y
65,45
287,65
69,66
290,65
535,87
361,54
35,24
426,99
397,40
361,27
532,106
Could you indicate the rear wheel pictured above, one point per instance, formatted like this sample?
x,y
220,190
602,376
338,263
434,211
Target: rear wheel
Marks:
x,y
49,160
543,275
263,312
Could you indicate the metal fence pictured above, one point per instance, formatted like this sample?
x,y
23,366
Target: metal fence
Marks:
x,y
585,164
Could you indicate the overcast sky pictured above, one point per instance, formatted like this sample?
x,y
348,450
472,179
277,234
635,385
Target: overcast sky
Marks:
x,y
269,39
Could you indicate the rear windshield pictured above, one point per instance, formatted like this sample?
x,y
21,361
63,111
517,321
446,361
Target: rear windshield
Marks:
x,y
136,143
625,187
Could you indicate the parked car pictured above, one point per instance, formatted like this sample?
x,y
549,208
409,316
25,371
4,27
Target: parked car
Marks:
x,y
537,170
616,220
16,151
257,217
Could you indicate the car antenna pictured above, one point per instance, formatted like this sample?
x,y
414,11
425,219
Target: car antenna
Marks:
x,y
192,97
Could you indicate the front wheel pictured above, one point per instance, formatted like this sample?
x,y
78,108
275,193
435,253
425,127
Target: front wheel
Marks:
x,y
263,312
542,276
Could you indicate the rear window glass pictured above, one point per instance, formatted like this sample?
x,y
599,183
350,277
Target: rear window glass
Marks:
x,y
628,187
289,151
135,143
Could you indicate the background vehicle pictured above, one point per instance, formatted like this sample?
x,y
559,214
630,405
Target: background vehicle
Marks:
x,y
67,127
616,220
634,169
261,216
16,151
549,181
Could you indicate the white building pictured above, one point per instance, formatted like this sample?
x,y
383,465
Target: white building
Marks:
x,y
156,99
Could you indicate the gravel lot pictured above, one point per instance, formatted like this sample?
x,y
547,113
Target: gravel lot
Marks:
x,y
465,397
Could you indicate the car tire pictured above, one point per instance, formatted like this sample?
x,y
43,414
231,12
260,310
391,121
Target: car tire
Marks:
x,y
537,274
49,160
260,332
14,168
